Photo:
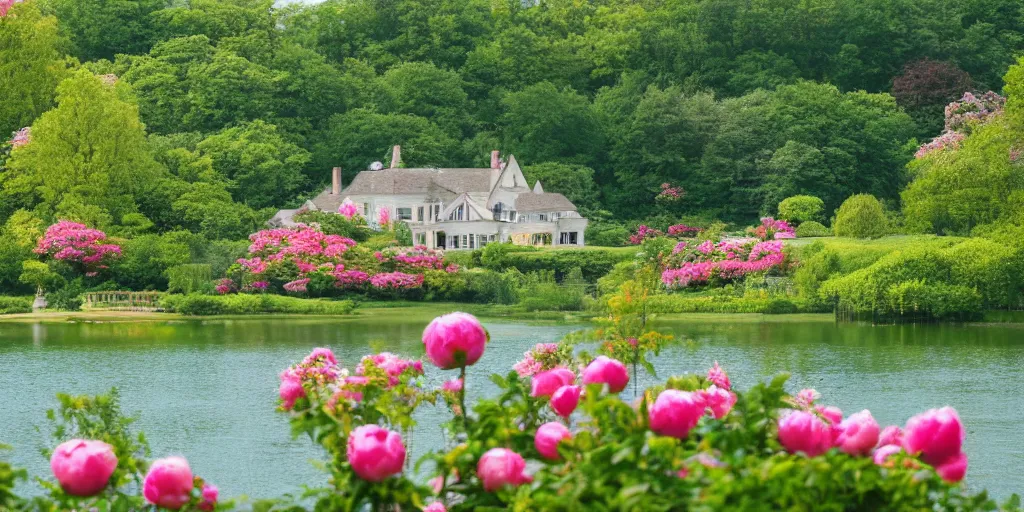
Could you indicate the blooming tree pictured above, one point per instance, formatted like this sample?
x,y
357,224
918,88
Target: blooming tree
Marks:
x,y
82,247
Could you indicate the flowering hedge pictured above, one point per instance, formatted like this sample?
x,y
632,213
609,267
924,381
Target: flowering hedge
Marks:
x,y
85,248
692,442
304,260
725,261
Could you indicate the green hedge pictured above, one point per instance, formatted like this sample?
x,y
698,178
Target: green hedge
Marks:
x,y
683,303
12,305
812,229
203,305
593,262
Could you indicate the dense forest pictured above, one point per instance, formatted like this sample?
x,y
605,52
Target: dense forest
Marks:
x,y
182,125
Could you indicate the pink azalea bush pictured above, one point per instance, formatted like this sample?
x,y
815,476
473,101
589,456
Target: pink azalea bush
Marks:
x,y
962,117
670,193
725,261
23,136
682,230
642,233
84,248
348,209
396,281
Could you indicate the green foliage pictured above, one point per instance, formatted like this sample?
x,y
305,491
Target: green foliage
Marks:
x,y
67,298
204,305
334,224
606,234
812,229
189,277
542,293
39,275
145,259
688,303
550,124
800,209
575,182
861,216
88,159
13,305
593,263
30,66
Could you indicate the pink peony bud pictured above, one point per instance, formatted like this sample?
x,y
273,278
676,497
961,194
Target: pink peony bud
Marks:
x,y
375,453
168,483
891,435
209,498
937,435
858,433
885,452
454,340
719,401
291,389
801,431
546,383
954,469
833,415
676,412
452,386
605,370
718,377
436,506
547,438
565,399
83,467
500,467
807,396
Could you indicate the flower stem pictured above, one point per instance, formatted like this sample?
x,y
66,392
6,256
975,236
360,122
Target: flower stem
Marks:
x,y
462,399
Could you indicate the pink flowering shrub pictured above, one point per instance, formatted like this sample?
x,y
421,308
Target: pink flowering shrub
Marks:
x,y
771,229
542,357
23,136
670,193
84,248
682,230
396,281
962,117
348,209
725,261
412,259
642,233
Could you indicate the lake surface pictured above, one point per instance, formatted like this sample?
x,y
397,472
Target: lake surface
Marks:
x,y
207,389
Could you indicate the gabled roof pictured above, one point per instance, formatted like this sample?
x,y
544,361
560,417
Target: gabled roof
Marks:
x,y
482,212
544,202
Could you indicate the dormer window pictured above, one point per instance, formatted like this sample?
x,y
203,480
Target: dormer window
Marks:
x,y
458,214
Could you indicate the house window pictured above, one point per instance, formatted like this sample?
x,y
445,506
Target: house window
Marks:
x,y
419,214
490,238
366,209
404,213
458,213
543,217
568,238
465,241
454,241
421,239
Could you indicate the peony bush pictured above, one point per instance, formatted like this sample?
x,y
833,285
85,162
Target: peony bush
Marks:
x,y
554,438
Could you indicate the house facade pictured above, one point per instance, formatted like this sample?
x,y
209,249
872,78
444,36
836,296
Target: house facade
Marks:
x,y
456,208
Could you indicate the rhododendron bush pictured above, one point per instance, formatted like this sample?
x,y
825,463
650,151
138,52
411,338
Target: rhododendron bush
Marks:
x,y
304,260
556,437
698,264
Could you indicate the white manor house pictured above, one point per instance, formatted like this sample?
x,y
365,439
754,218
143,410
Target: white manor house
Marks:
x,y
455,208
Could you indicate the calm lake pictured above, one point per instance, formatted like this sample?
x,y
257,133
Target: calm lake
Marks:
x,y
207,389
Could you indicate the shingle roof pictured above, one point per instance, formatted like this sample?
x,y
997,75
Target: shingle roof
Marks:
x,y
546,202
419,181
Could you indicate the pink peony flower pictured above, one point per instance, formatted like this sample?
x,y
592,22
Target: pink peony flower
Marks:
x,y
546,383
291,389
954,469
83,467
168,483
719,401
858,433
565,399
891,435
375,453
884,453
547,438
436,506
454,340
676,412
209,498
937,435
801,431
500,467
833,415
605,370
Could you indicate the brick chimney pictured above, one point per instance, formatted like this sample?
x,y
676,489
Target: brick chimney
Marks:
x,y
396,156
495,159
336,181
